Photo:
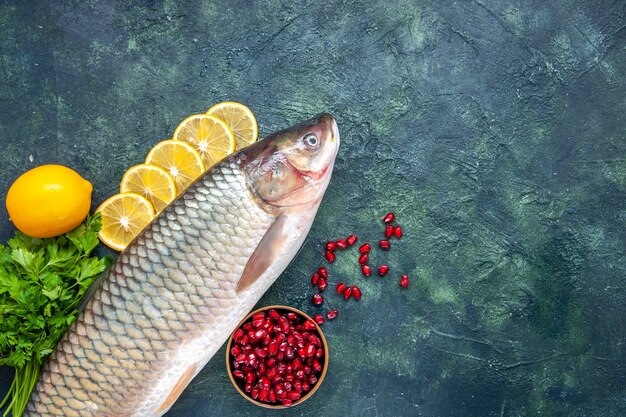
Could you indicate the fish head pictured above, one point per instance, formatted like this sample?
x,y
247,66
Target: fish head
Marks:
x,y
292,168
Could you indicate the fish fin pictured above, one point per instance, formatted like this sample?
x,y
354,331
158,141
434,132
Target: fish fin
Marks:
x,y
178,388
264,255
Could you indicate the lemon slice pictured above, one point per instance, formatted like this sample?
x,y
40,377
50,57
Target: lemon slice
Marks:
x,y
179,159
152,182
124,216
211,137
240,119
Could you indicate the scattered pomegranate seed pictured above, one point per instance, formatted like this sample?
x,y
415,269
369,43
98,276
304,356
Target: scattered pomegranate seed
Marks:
x,y
384,244
347,293
332,314
397,232
356,292
382,270
322,284
317,299
367,271
323,272
308,325
341,287
315,278
404,281
389,217
363,258
330,257
351,240
330,246
319,319
341,244
365,248
388,231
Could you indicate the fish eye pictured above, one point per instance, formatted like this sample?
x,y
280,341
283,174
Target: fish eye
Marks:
x,y
311,140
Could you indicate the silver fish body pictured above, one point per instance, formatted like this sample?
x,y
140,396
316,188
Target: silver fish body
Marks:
x,y
176,293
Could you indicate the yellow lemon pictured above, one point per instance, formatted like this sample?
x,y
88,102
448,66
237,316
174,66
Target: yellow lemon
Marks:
x,y
240,119
210,135
179,159
48,201
152,182
124,216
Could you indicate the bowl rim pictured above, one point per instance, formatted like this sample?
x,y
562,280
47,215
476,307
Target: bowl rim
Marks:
x,y
324,366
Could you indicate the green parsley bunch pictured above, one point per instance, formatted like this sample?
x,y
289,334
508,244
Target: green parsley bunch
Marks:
x,y
42,283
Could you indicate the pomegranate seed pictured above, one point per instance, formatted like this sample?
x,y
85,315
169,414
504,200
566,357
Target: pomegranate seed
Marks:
x,y
341,287
291,316
273,314
305,387
248,388
238,374
363,258
323,272
294,395
315,340
319,319
330,246
309,325
287,402
404,281
397,232
347,293
367,271
366,247
384,244
315,278
319,353
272,397
265,392
356,292
322,285
317,366
351,240
312,380
330,257
235,350
238,334
250,377
241,358
317,299
389,217
270,363
310,350
332,314
388,231
382,270
341,244
265,382
255,393
272,349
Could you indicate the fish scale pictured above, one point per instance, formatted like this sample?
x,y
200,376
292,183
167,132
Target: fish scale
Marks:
x,y
161,308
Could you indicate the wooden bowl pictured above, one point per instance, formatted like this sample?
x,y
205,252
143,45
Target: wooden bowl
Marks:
x,y
239,386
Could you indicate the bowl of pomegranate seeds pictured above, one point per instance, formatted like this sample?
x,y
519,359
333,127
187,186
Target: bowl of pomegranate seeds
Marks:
x,y
277,357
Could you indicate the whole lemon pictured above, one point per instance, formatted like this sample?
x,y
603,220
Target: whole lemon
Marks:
x,y
48,201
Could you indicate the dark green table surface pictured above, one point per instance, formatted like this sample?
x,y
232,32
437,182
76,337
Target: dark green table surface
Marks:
x,y
495,129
